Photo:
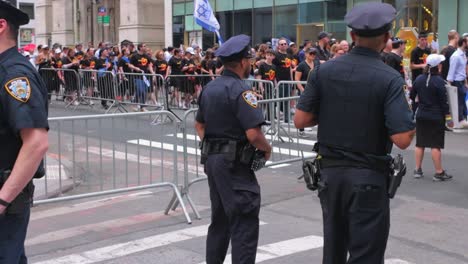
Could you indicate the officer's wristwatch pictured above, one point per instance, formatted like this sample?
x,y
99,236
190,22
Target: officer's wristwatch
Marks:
x,y
4,203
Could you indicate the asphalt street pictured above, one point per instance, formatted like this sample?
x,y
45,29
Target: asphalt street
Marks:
x,y
427,225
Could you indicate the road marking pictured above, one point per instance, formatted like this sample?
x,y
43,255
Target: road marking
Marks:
x,y
87,205
100,227
396,261
119,155
279,166
194,151
135,246
283,248
302,141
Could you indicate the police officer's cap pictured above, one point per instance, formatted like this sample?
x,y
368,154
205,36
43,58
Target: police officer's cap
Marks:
x,y
235,48
371,19
12,14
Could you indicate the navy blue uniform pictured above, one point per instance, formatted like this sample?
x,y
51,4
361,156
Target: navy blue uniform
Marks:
x,y
23,104
228,108
359,103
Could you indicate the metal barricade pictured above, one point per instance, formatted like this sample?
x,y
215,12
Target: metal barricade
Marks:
x,y
193,170
287,142
295,149
182,91
100,85
141,90
64,84
98,155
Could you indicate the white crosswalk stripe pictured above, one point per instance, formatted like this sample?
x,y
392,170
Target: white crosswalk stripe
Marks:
x,y
194,151
131,247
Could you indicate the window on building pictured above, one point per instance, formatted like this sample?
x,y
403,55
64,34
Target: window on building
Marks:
x,y
285,22
263,21
243,22
178,29
28,8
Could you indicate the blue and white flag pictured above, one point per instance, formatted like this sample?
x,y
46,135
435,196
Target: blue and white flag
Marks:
x,y
204,16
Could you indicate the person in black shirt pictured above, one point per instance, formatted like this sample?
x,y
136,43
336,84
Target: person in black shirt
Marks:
x,y
395,59
430,118
188,68
72,65
303,70
126,85
323,53
419,55
386,51
283,63
87,65
267,72
208,67
142,63
448,51
104,77
174,70
160,66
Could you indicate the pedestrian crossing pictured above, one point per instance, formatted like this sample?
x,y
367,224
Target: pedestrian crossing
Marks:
x,y
128,246
294,148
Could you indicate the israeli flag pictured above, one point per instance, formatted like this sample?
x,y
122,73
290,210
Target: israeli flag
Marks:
x,y
205,17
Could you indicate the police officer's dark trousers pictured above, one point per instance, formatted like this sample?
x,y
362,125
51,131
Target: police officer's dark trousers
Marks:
x,y
235,206
356,215
12,235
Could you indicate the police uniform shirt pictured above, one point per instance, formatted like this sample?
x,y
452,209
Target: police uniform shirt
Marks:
x,y
228,108
396,62
283,66
418,56
160,66
267,72
141,61
176,65
23,103
342,86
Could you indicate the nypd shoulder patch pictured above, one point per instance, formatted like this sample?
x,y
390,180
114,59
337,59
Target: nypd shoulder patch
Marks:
x,y
250,98
19,88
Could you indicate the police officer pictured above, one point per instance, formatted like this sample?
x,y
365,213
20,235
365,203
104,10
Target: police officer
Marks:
x,y
228,120
359,94
23,135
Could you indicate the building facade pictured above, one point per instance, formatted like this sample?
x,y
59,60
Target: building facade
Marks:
x,y
92,21
300,20
171,23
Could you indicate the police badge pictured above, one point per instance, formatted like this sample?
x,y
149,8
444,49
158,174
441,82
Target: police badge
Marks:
x,y
19,89
250,98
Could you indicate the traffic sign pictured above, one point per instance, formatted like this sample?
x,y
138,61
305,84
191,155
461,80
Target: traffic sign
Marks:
x,y
106,20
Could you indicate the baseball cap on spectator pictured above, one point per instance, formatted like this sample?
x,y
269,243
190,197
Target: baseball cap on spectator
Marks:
x,y
291,44
45,47
323,35
312,51
190,50
465,35
26,54
434,60
57,51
